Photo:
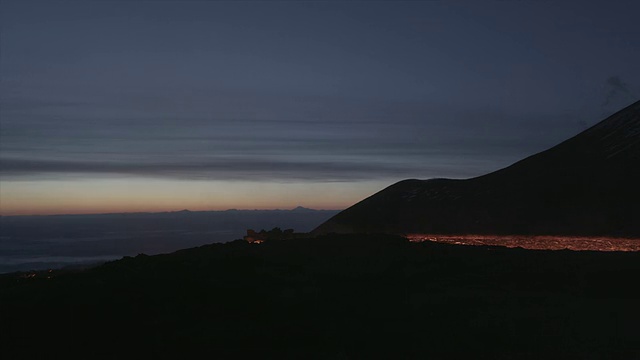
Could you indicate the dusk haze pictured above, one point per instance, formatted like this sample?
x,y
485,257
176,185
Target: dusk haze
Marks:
x,y
319,179
126,106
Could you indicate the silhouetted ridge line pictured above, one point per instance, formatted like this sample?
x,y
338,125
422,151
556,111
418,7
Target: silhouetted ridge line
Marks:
x,y
586,185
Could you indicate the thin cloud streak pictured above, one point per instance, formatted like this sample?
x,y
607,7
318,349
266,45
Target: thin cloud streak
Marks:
x,y
346,128
216,169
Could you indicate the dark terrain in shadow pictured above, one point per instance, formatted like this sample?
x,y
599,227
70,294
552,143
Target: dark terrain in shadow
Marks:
x,y
586,185
332,297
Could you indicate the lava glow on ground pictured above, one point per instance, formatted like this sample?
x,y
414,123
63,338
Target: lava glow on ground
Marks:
x,y
545,242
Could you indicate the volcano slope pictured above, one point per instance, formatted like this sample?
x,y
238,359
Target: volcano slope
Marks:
x,y
586,186
340,296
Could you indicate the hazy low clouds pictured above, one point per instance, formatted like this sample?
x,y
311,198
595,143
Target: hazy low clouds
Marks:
x,y
315,138
245,169
194,90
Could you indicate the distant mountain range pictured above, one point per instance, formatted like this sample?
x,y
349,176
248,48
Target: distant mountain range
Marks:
x,y
297,209
586,185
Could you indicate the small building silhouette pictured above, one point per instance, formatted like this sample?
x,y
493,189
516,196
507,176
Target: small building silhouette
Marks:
x,y
254,237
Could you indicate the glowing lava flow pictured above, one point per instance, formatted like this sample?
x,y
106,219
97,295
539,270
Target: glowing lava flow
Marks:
x,y
545,242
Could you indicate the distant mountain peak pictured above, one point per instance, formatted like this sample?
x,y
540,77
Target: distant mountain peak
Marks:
x,y
301,208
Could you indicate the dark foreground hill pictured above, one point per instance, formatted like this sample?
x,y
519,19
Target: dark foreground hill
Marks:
x,y
337,297
587,185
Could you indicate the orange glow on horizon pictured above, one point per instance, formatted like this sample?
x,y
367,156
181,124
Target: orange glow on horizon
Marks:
x,y
148,195
133,210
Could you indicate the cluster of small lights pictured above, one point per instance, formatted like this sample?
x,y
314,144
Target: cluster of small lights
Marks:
x,y
545,242
32,275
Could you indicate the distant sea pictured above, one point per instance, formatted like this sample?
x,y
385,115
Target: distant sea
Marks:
x,y
56,241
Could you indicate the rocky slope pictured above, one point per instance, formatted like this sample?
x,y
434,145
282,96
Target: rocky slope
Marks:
x,y
586,185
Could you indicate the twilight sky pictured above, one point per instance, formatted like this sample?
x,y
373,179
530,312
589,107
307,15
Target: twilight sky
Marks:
x,y
113,106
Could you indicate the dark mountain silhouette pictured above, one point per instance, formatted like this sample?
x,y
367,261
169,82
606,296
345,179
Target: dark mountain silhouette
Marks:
x,y
332,297
586,185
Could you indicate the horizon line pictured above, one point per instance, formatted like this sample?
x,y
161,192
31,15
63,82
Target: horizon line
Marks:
x,y
166,211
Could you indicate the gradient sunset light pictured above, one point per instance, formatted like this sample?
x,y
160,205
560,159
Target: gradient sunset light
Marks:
x,y
131,106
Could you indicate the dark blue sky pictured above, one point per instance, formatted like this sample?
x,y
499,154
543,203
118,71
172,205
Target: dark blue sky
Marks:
x,y
334,95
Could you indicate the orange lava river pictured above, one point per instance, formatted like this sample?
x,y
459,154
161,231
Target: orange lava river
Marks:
x,y
545,242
